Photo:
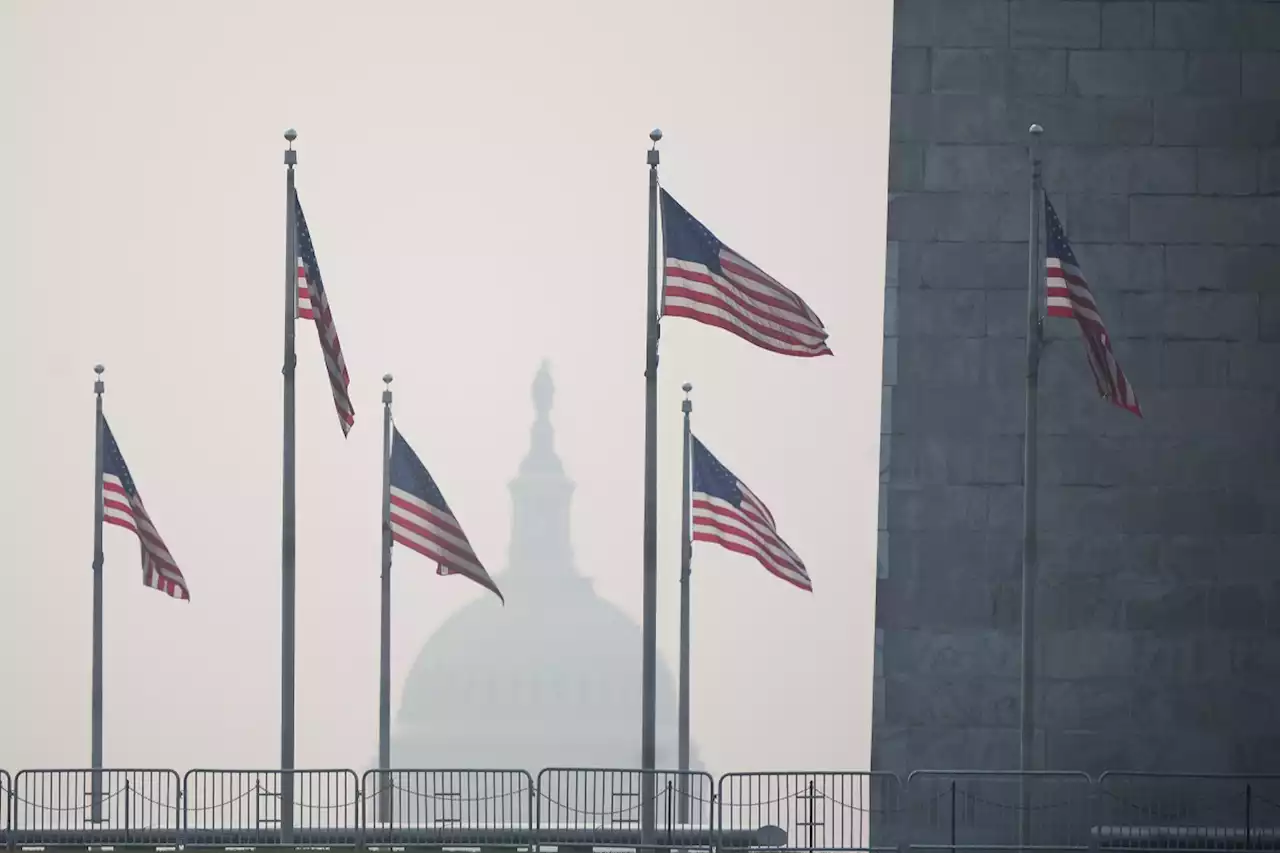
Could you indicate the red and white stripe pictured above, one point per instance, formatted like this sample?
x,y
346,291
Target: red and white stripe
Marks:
x,y
304,293
1069,296
748,530
436,535
158,568
315,306
746,301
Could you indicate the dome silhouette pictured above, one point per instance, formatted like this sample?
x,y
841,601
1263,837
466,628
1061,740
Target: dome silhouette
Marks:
x,y
550,680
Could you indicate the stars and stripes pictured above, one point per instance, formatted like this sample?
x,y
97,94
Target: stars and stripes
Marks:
x,y
727,513
313,304
421,518
709,282
122,506
1069,296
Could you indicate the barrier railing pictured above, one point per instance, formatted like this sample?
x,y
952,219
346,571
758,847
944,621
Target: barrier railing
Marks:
x,y
817,811
478,807
96,807
1202,812
584,808
243,807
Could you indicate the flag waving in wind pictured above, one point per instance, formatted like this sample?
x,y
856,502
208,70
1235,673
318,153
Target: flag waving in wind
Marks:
x,y
122,506
313,304
709,282
727,513
1070,296
421,518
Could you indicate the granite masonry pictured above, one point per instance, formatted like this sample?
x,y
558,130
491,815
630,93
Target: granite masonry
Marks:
x,y
1159,591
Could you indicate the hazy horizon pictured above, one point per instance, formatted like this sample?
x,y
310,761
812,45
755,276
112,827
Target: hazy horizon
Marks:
x,y
474,180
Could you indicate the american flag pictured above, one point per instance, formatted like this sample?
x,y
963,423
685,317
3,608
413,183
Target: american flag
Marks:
x,y
709,282
729,514
421,518
1070,297
313,304
122,506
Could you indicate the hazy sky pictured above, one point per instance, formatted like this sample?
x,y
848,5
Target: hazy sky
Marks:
x,y
474,178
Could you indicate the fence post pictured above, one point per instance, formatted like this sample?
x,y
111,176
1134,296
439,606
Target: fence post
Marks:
x,y
127,791
953,816
671,805
1248,814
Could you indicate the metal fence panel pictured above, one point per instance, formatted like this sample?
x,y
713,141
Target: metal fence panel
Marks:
x,y
98,807
985,810
1186,811
482,807
818,810
249,807
6,793
585,806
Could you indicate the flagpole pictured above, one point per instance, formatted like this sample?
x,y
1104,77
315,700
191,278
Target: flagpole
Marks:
x,y
288,540
384,689
686,561
648,716
1035,283
95,749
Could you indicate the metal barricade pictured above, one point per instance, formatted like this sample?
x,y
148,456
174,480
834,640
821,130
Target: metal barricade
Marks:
x,y
602,806
95,807
1187,811
255,807
999,810
474,807
6,797
819,810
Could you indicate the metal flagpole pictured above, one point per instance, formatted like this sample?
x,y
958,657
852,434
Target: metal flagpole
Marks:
x,y
384,690
649,670
1035,284
289,519
95,750
686,561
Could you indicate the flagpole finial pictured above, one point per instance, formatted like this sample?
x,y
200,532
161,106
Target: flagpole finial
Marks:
x,y
290,156
656,136
291,135
98,386
687,405
1035,130
686,388
386,392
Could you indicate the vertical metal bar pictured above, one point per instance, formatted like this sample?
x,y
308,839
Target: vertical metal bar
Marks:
x,y
648,715
384,689
686,561
1035,284
95,749
1248,815
289,514
953,816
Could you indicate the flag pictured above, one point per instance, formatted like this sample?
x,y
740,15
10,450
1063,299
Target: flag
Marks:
x,y
727,513
421,518
707,281
122,506
1069,296
313,304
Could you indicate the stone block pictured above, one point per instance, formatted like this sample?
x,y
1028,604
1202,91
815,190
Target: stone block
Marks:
x,y
1207,511
1195,364
940,313
1222,268
906,167
970,70
1126,72
1038,71
1260,25
1007,314
1154,169
1125,121
981,168
1269,172
1269,318
1213,73
954,216
1210,316
1237,607
1099,509
910,70
1227,171
1192,412
1087,654
1183,654
1093,703
1004,364
952,702
989,266
936,508
930,361
1121,267
1225,558
1187,219
1095,218
1004,509
1077,603
954,556
1085,460
1086,169
1260,75
1254,365
1127,23
1117,555
1215,121
938,606
1175,608
984,410
1055,23
951,23
988,653
1197,25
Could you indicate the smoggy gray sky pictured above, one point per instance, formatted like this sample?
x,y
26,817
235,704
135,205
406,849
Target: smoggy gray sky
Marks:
x,y
474,177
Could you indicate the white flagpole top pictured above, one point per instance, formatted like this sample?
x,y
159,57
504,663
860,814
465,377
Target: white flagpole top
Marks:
x,y
98,369
1035,130
291,134
655,135
686,387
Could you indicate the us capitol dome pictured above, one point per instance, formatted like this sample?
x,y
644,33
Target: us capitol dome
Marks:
x,y
550,680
